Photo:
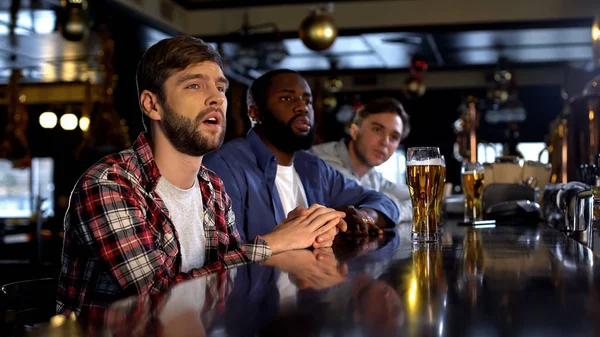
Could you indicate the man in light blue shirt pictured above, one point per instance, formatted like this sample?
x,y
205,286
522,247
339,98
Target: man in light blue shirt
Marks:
x,y
375,134
268,173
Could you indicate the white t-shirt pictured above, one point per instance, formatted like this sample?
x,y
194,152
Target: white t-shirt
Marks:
x,y
289,186
186,211
292,194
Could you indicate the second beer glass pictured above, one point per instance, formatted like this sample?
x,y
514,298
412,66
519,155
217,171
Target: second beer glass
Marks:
x,y
472,184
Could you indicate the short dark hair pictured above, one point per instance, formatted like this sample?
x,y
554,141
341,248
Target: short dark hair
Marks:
x,y
168,56
257,93
380,105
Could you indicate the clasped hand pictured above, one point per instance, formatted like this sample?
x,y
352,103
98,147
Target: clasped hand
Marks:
x,y
315,226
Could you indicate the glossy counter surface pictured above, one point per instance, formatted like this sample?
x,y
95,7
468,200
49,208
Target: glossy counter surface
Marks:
x,y
503,281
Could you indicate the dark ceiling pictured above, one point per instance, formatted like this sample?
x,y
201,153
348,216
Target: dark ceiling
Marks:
x,y
449,48
46,57
37,4
204,4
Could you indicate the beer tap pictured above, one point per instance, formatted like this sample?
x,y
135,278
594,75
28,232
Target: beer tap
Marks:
x,y
465,128
472,135
570,209
580,216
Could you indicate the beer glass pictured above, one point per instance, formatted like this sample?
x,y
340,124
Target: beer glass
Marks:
x,y
440,194
423,175
472,185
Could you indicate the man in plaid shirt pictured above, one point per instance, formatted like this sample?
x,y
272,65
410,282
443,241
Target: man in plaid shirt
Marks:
x,y
151,216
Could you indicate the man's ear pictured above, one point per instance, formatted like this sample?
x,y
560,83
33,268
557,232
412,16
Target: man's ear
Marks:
x,y
151,105
254,114
354,131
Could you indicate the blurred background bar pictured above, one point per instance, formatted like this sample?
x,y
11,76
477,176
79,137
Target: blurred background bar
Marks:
x,y
480,79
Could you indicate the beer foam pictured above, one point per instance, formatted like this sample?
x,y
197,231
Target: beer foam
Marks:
x,y
427,162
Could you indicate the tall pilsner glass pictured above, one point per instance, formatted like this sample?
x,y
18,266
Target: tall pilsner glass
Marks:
x,y
472,183
424,170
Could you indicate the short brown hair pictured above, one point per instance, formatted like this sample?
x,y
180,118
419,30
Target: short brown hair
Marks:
x,y
168,56
380,105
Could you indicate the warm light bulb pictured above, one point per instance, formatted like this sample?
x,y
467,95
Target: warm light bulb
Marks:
x,y
596,40
84,123
68,122
328,32
48,120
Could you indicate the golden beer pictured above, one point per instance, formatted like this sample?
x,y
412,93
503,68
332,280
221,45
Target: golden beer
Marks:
x,y
472,185
440,196
424,182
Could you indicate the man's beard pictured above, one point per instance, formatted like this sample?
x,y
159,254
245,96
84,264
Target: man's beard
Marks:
x,y
282,135
183,132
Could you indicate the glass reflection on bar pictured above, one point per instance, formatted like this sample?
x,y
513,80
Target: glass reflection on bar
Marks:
x,y
470,281
427,290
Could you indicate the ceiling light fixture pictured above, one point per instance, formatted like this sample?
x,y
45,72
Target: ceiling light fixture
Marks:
x,y
84,123
48,120
318,30
75,25
414,85
259,44
68,121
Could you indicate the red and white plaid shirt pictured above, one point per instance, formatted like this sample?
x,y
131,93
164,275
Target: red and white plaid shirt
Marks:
x,y
120,241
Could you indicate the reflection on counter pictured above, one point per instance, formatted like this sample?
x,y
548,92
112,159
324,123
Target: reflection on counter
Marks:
x,y
426,297
470,276
502,281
